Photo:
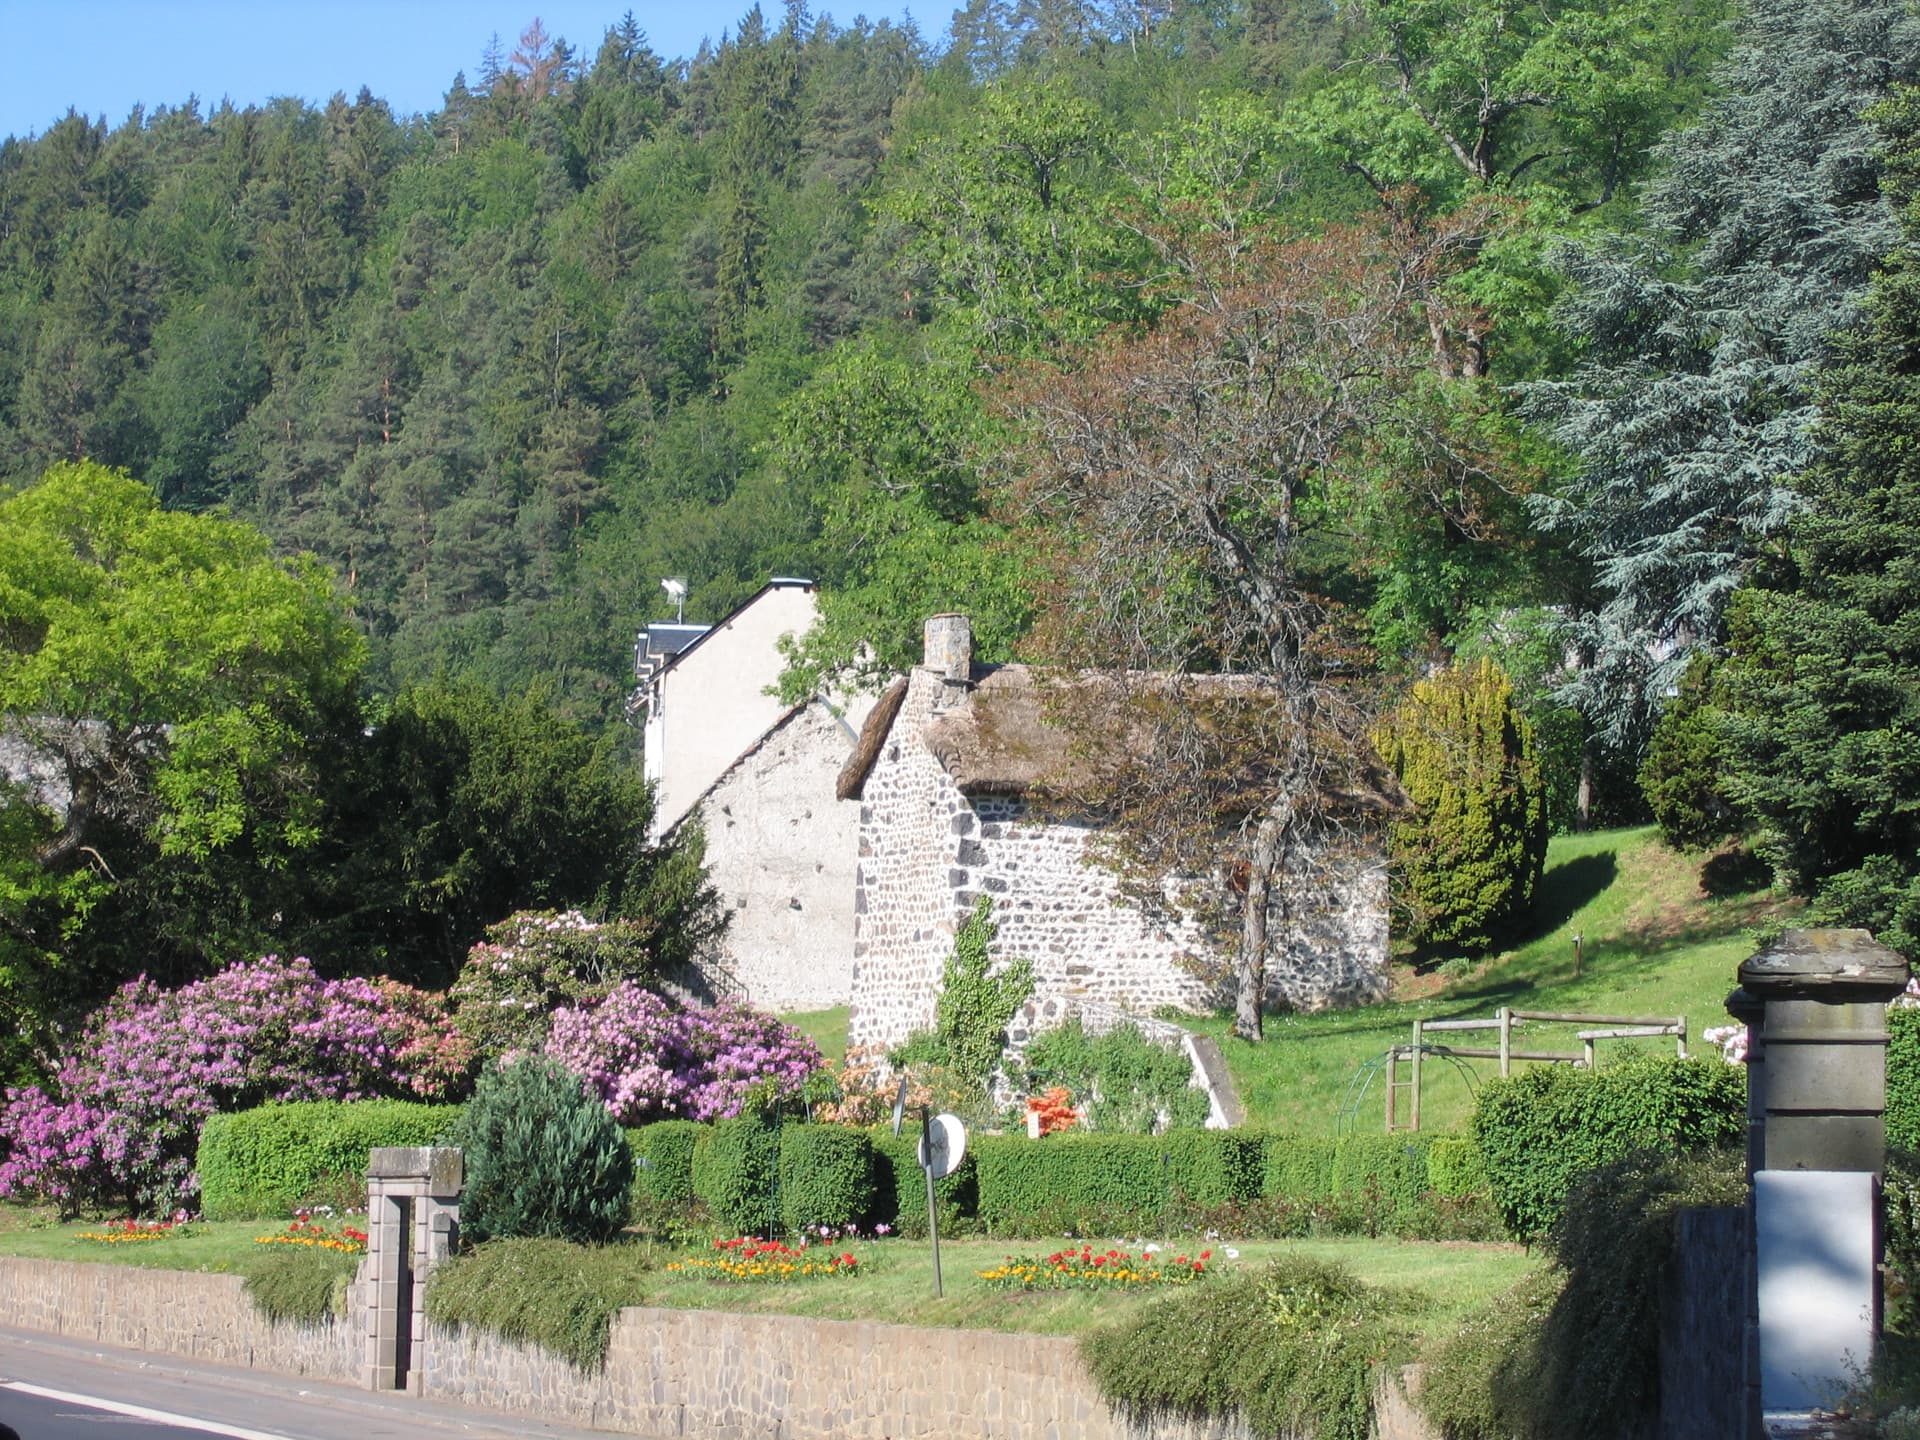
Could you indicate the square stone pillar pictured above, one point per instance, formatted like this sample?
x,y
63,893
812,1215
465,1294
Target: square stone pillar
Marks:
x,y
413,1223
1815,1006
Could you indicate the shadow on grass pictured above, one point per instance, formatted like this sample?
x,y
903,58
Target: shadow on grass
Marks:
x,y
1568,888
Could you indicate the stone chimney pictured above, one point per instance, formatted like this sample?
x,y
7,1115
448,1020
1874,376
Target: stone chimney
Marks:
x,y
949,654
949,647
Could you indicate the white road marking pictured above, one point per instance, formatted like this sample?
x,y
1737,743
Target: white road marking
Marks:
x,y
141,1412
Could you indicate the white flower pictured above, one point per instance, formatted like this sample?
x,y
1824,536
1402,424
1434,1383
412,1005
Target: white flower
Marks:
x,y
1231,1253
1150,1249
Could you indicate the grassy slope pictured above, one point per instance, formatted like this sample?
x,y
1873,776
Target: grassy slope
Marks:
x,y
1655,944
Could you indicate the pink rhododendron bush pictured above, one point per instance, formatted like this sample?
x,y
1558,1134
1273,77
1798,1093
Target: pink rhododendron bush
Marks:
x,y
118,1125
650,1060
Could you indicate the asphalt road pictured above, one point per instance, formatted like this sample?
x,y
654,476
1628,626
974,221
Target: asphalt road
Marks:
x,y
57,1389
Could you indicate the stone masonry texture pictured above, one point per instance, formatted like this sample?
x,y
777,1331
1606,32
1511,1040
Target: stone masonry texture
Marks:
x,y
704,1373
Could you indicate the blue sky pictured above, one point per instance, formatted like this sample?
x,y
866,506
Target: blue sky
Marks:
x,y
103,56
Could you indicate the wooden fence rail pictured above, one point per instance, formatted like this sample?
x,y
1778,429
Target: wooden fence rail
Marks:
x,y
1506,1021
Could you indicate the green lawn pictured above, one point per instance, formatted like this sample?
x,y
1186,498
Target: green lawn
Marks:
x,y
1656,943
898,1284
826,1028
222,1246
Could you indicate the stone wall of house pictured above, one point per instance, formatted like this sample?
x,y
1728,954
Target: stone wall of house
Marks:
x,y
927,853
906,880
780,851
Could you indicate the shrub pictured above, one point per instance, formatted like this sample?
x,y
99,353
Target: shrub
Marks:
x,y
559,1296
975,1003
1903,1075
269,1160
1455,1167
120,1125
1538,1130
1573,1353
543,1157
826,1176
1084,1182
900,1185
300,1285
1680,776
1124,1082
665,1182
648,1059
535,962
1290,1352
1467,866
1299,1167
734,1166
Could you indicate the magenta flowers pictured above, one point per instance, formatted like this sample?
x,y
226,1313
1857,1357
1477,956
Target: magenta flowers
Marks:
x,y
648,1060
121,1121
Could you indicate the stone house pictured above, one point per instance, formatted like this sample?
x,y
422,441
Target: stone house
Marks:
x,y
759,777
950,773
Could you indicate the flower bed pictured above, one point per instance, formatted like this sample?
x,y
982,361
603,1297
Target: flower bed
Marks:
x,y
141,1232
1088,1269
764,1261
315,1230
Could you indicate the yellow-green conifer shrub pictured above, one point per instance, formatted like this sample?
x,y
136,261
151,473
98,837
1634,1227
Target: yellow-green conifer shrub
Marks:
x,y
1466,864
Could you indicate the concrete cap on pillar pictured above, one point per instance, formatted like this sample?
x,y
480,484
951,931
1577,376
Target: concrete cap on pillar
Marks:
x,y
1842,967
1746,1007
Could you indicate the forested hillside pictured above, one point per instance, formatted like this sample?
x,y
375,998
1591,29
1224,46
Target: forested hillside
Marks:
x,y
1531,310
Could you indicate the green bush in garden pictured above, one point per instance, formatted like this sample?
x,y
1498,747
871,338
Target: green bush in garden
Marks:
x,y
1294,1350
900,1185
826,1176
734,1167
1903,1077
1538,1131
300,1285
543,1157
1121,1081
1573,1352
266,1161
1466,866
665,1182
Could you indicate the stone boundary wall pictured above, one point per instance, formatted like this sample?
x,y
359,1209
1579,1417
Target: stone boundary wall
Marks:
x,y
713,1374
175,1312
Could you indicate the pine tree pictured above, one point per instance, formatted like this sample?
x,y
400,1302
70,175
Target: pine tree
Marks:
x,y
1467,865
1822,689
1690,420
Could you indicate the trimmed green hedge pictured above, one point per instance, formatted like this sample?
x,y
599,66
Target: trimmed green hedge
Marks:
x,y
734,1165
1540,1130
1903,1077
665,1183
826,1176
900,1185
262,1163
1089,1181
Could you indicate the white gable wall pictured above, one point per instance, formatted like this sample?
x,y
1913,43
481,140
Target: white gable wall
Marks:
x,y
780,851
712,702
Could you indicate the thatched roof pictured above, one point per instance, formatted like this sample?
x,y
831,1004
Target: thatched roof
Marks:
x,y
1007,738
873,734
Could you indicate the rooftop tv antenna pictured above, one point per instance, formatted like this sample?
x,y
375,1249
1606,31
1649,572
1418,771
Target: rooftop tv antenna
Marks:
x,y
676,588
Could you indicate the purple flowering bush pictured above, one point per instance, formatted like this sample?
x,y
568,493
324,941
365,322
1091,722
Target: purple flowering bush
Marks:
x,y
649,1060
536,961
118,1126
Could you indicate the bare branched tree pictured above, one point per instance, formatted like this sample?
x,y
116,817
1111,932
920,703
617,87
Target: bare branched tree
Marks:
x,y
1178,477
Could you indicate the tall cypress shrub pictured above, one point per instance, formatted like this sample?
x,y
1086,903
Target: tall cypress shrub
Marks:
x,y
1466,866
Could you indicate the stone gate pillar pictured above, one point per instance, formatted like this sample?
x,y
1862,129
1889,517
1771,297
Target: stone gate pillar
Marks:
x,y
1815,1006
413,1223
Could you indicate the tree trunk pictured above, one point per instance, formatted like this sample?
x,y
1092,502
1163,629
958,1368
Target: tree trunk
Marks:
x,y
1583,800
1250,965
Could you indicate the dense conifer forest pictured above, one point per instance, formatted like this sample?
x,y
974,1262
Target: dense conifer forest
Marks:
x,y
1537,316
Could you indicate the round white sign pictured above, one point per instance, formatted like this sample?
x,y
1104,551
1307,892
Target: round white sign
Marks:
x,y
944,1145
